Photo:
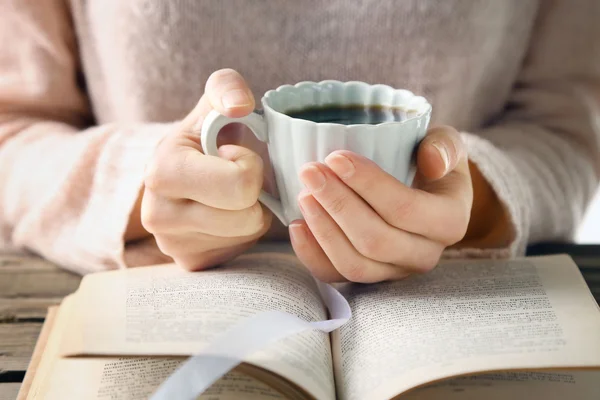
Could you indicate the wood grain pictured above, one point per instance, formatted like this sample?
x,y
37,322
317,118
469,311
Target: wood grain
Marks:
x,y
25,309
26,275
28,286
18,341
9,391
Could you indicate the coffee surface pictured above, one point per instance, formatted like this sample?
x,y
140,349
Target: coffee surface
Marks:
x,y
350,114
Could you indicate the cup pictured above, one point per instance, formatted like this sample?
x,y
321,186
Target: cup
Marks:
x,y
293,142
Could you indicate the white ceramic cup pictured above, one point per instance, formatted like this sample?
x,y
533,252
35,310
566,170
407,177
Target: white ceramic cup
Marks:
x,y
294,142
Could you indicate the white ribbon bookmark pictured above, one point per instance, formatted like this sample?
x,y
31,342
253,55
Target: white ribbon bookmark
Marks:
x,y
199,372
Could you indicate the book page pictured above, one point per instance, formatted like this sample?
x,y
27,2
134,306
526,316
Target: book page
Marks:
x,y
167,311
50,354
136,378
128,378
537,385
465,317
38,351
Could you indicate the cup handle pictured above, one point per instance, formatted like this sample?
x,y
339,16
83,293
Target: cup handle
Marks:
x,y
212,125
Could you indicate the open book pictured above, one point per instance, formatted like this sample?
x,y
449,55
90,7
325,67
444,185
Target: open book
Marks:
x,y
467,330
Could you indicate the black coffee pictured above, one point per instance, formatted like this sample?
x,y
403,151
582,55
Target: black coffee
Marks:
x,y
350,114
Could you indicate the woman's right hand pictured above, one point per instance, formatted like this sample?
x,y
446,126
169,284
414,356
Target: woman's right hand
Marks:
x,y
204,210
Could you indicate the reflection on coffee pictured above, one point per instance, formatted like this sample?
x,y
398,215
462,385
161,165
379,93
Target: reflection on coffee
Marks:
x,y
351,114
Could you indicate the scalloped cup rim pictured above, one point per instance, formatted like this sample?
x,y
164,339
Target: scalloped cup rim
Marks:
x,y
299,85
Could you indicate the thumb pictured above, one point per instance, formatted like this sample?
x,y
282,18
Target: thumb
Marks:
x,y
441,152
227,92
443,166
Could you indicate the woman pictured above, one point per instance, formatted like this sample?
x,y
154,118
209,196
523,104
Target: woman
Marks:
x,y
101,167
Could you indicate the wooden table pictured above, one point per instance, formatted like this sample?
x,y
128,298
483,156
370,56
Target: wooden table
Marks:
x,y
28,285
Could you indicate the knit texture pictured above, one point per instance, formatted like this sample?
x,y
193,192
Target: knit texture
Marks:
x,y
89,87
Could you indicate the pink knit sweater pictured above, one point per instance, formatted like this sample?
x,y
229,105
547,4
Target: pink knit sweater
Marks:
x,y
88,88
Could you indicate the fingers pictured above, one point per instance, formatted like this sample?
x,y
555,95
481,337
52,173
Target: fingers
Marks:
x,y
203,210
370,235
179,249
169,216
193,250
225,91
366,226
231,182
192,123
228,93
352,265
310,253
443,166
431,215
180,170
440,152
179,245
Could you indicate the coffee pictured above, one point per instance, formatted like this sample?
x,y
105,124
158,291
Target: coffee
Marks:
x,y
350,114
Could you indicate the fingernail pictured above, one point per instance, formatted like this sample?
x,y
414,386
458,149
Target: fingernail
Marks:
x,y
313,178
237,98
297,234
341,165
443,153
308,205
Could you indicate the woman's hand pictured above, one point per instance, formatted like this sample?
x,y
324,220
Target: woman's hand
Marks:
x,y
203,210
362,225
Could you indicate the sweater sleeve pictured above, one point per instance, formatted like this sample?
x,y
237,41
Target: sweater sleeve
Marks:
x,y
67,188
542,155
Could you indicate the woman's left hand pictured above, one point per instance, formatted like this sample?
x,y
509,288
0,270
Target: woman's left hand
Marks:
x,y
362,225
